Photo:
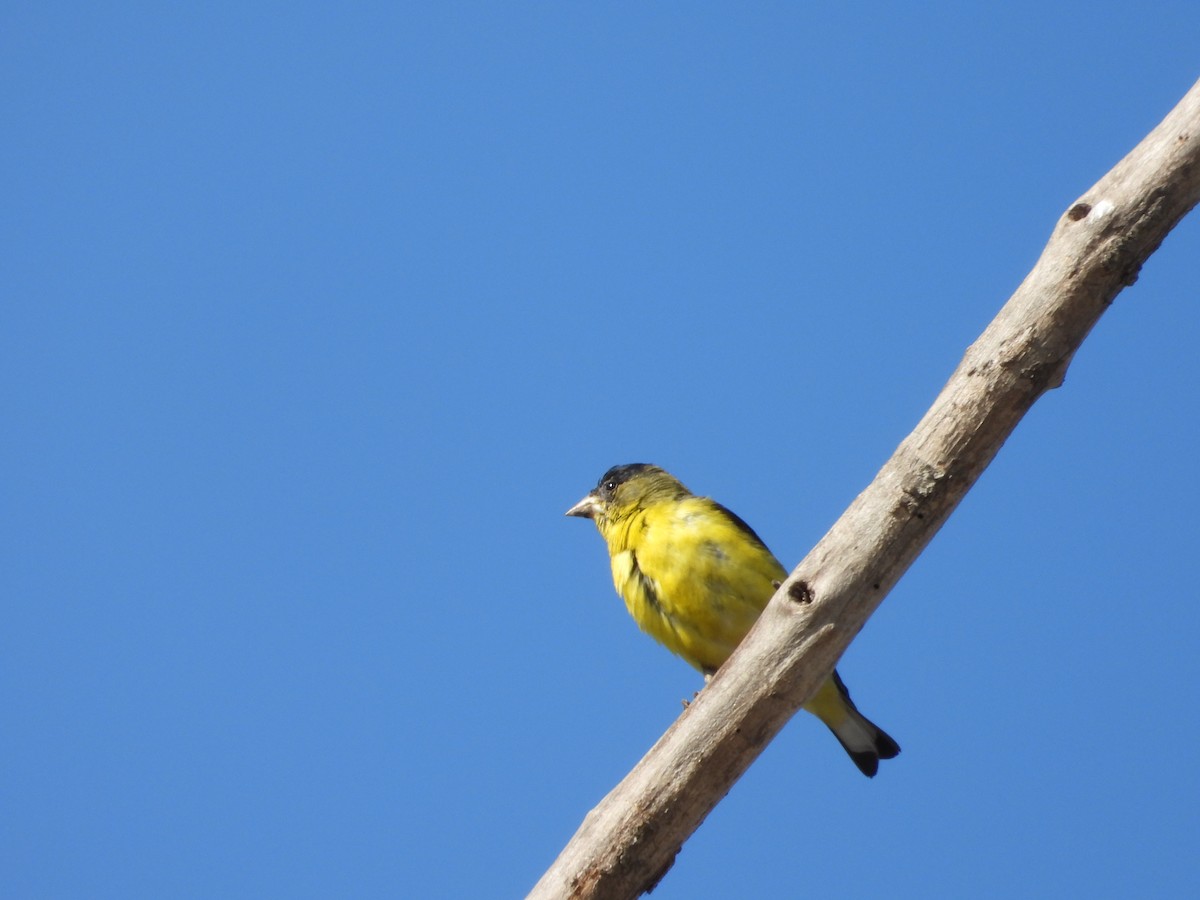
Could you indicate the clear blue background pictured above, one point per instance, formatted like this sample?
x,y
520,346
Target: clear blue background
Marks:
x,y
316,318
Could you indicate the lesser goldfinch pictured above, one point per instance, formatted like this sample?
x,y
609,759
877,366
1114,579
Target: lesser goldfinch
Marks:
x,y
695,577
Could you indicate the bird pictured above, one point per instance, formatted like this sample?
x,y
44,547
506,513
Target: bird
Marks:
x,y
695,577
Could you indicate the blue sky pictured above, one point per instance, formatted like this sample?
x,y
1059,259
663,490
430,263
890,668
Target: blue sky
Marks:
x,y
318,317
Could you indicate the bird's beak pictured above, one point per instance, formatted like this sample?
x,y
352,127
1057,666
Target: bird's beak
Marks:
x,y
585,508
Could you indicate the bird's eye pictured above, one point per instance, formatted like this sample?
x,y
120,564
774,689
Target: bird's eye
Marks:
x,y
609,487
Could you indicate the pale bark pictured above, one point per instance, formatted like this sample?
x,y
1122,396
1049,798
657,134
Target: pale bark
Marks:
x,y
628,842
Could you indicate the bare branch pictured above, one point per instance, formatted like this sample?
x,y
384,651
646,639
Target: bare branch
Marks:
x,y
628,842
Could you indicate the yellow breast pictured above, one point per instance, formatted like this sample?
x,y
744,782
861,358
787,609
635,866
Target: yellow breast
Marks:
x,y
691,577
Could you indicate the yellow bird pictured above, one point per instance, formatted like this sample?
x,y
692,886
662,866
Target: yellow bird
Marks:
x,y
695,577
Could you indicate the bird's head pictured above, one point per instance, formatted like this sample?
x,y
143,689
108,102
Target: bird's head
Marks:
x,y
623,489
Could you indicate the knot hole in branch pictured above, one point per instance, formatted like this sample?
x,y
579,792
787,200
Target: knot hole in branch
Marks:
x,y
800,592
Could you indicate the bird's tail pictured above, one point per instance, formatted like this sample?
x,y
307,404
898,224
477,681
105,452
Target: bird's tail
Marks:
x,y
865,741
